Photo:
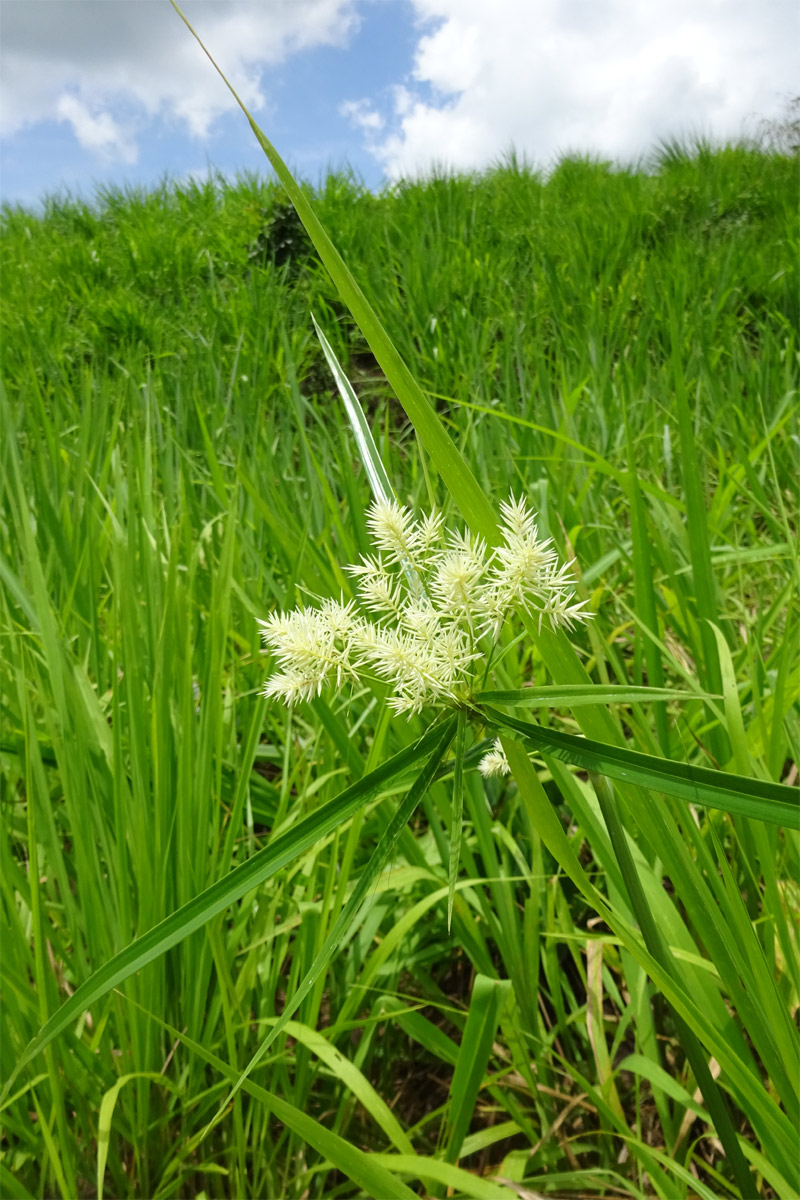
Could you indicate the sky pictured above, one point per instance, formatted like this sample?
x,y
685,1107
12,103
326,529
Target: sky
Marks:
x,y
99,92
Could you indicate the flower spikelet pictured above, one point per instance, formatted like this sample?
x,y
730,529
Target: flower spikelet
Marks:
x,y
313,646
495,762
523,569
419,618
430,532
459,573
377,588
410,664
394,530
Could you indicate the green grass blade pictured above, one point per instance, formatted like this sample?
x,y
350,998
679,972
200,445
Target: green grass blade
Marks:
x,y
457,476
734,722
462,1183
354,1080
485,1008
578,694
11,1186
263,865
760,799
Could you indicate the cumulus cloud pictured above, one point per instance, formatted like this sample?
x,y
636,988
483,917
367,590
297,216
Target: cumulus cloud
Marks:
x,y
85,60
362,114
96,131
609,77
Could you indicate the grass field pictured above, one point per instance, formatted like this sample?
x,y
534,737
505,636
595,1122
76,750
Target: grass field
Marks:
x,y
620,347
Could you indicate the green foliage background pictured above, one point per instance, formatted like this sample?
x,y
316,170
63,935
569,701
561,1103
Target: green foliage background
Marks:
x,y
174,463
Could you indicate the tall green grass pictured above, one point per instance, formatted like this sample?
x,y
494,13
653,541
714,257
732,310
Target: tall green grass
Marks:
x,y
174,463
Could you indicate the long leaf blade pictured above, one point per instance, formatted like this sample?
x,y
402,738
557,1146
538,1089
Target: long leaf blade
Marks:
x,y
459,479
578,694
760,799
486,1005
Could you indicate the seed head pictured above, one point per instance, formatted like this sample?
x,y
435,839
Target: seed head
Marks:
x,y
430,604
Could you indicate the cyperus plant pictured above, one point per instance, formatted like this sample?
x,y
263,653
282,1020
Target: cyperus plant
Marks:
x,y
433,604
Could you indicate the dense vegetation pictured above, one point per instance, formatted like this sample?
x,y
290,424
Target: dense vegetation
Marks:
x,y
618,345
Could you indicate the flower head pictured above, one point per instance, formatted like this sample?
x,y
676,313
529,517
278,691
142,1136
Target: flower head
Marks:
x,y
430,604
314,647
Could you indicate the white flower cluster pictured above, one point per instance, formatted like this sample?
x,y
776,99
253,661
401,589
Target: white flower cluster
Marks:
x,y
430,599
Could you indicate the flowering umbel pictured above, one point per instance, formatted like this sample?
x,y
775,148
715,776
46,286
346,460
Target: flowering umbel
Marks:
x,y
431,604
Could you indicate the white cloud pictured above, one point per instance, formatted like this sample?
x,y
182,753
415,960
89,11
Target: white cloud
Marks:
x,y
361,114
609,77
82,60
96,131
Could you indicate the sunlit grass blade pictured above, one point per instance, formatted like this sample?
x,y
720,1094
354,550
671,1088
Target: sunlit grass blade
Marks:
x,y
368,451
760,799
595,1026
106,1116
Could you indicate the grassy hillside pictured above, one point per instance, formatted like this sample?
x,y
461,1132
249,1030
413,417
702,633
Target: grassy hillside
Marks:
x,y
621,348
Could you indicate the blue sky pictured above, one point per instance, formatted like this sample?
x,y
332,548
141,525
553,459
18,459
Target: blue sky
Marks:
x,y
116,91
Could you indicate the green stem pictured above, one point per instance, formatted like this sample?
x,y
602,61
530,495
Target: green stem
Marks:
x,y
458,812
